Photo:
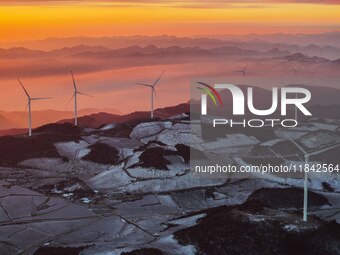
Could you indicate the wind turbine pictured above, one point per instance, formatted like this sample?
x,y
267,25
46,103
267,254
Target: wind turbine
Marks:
x,y
307,156
243,71
75,94
153,90
30,99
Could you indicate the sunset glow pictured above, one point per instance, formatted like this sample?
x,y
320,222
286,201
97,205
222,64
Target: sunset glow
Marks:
x,y
110,45
32,21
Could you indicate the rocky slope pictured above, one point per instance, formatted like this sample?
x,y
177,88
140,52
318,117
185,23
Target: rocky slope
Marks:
x,y
126,188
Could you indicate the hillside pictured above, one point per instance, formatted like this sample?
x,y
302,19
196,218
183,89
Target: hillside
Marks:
x,y
130,184
100,119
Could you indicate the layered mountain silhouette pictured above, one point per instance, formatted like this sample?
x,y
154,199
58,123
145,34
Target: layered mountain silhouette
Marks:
x,y
299,57
135,51
38,63
324,39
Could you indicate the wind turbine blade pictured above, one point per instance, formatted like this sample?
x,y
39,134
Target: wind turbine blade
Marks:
x,y
74,82
295,71
142,84
299,146
41,98
245,68
69,101
158,79
81,93
24,89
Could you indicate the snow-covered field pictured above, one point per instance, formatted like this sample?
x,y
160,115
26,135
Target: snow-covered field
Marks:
x,y
140,199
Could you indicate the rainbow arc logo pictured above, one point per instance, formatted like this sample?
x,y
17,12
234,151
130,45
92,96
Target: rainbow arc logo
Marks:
x,y
213,93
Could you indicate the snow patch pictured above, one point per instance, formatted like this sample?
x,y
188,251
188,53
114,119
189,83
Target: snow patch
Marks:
x,y
108,126
115,177
149,128
70,149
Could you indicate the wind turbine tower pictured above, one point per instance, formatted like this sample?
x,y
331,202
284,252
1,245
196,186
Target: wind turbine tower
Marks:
x,y
30,99
153,91
75,94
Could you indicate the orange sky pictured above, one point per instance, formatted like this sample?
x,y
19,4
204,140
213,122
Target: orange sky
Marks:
x,y
21,20
29,20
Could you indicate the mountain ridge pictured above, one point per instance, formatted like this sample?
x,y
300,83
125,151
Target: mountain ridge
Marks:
x,y
97,120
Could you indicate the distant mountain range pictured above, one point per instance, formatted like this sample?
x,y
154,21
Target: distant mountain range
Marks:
x,y
326,45
86,59
331,38
151,49
136,51
328,38
23,53
299,57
